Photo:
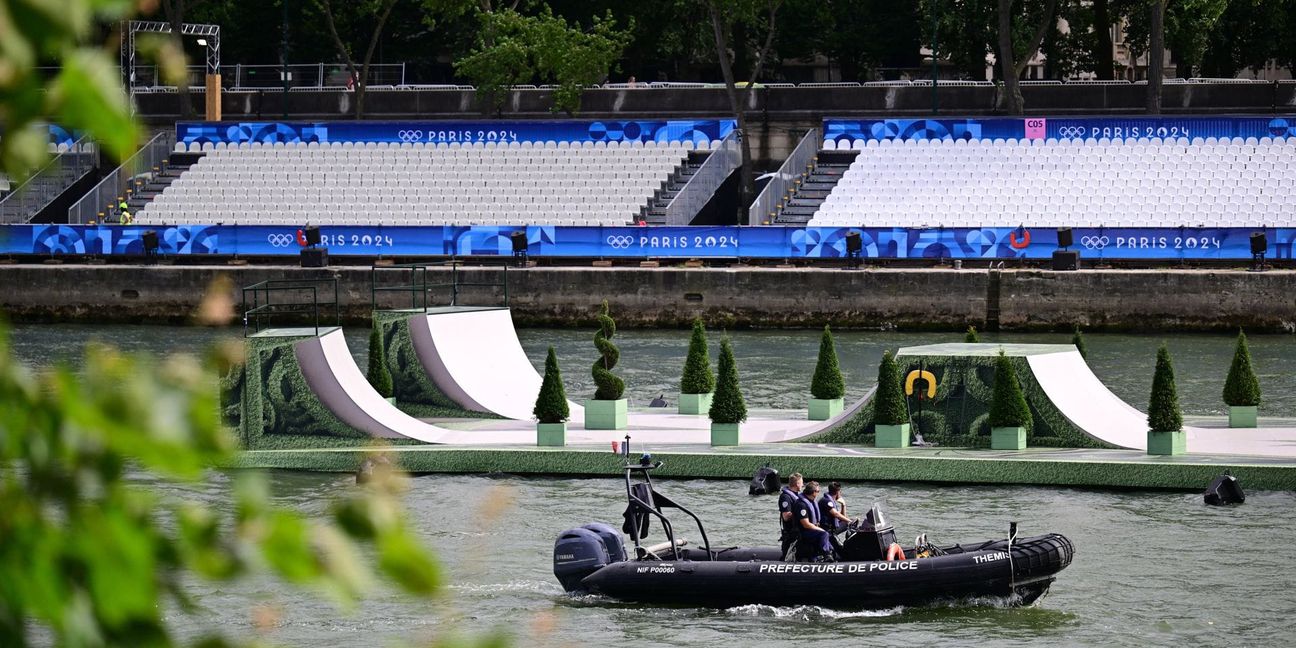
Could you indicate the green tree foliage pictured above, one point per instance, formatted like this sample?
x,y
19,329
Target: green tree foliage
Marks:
x,y
1014,52
697,378
379,373
972,337
377,12
889,406
94,557
1008,405
1163,407
727,406
609,386
1241,388
551,403
514,49
828,382
1077,339
86,95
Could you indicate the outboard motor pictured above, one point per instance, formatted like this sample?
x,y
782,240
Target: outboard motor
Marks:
x,y
765,481
577,554
611,538
1224,490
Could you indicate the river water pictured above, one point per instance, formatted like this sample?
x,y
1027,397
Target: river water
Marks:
x,y
1152,568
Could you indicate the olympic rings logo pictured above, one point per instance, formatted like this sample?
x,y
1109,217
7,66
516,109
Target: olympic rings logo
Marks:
x,y
280,240
1094,242
410,135
620,242
1071,132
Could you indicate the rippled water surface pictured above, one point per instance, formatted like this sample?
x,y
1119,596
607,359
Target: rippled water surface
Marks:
x,y
1151,568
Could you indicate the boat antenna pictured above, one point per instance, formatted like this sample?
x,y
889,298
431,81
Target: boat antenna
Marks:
x,y
1012,571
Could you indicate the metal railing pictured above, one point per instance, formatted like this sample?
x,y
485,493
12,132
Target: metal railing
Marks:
x,y
269,77
417,286
698,190
39,190
126,179
264,305
771,199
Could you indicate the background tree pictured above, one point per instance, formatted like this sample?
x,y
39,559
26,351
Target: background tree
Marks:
x,y
727,16
1103,52
1008,406
378,11
1013,54
551,402
697,378
965,34
728,406
1241,388
889,405
379,373
827,383
609,387
515,49
1163,407
1156,56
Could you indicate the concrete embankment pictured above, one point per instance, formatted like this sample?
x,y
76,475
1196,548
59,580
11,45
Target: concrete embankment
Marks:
x,y
739,297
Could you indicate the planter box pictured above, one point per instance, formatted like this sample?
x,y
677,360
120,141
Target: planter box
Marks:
x,y
822,409
724,434
1167,443
551,434
891,436
1008,438
606,414
1242,416
695,403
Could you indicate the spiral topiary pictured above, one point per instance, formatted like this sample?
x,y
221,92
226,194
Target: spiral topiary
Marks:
x,y
609,387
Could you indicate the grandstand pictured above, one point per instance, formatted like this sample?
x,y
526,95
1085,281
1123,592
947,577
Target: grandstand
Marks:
x,y
1203,182
372,183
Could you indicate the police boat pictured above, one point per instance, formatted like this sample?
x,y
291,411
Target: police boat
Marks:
x,y
869,569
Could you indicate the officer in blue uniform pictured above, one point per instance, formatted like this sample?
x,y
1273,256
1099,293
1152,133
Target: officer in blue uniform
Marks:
x,y
814,540
789,498
832,510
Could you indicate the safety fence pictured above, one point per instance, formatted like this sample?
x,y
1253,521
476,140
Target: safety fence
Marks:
x,y
698,190
122,182
767,205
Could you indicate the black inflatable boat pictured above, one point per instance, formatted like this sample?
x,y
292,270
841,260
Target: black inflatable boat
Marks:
x,y
593,559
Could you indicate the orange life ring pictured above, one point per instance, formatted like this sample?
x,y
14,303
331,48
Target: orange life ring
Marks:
x,y
895,552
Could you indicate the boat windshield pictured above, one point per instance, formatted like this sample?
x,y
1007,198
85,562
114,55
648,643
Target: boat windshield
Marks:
x,y
876,516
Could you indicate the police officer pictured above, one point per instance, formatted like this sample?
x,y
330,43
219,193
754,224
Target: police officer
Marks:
x,y
814,540
789,497
832,509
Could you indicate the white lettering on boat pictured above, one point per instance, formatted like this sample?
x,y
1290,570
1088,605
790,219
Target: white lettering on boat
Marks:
x,y
838,568
665,569
990,557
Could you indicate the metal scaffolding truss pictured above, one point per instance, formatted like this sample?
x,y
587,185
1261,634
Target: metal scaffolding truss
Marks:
x,y
211,33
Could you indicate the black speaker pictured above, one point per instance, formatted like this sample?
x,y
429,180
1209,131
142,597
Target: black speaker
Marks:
x,y
314,257
1066,260
1064,237
519,242
312,235
150,239
1259,243
854,244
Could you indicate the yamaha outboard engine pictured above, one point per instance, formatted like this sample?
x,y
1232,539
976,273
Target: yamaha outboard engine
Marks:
x,y
1224,490
765,481
581,552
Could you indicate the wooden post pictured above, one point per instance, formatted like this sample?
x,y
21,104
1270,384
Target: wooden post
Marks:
x,y
213,97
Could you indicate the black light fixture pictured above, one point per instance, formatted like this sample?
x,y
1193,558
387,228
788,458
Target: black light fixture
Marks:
x,y
312,234
1064,237
519,240
1259,245
854,246
150,241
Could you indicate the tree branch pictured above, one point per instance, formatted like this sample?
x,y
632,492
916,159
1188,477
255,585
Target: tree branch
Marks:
x,y
373,40
327,6
1050,19
773,6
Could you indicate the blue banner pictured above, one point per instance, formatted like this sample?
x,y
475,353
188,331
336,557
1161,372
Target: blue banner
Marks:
x,y
679,130
651,242
839,130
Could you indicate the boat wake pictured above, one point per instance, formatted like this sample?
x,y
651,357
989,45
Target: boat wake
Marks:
x,y
807,612
531,586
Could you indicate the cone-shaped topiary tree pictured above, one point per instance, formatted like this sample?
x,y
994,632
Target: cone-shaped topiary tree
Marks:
x,y
1163,408
1241,389
609,387
379,374
971,337
828,383
1078,340
551,403
1008,407
697,378
889,406
727,406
